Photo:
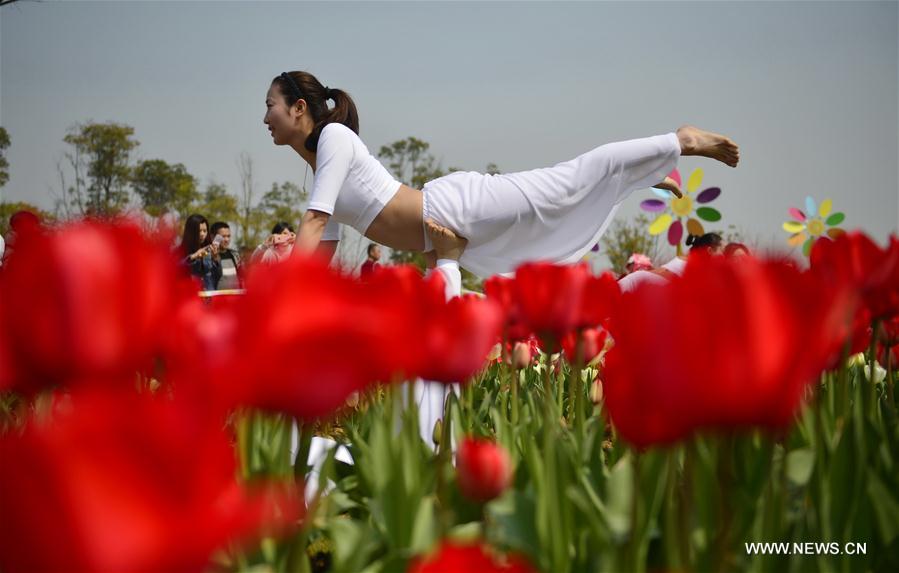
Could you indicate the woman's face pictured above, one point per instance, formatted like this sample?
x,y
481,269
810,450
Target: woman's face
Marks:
x,y
203,232
277,116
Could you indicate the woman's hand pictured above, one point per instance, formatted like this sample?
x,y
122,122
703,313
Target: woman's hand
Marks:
x,y
199,254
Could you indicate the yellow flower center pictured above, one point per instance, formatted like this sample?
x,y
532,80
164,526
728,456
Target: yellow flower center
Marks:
x,y
815,227
682,207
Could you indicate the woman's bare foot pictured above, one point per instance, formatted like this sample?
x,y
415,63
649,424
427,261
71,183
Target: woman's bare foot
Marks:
x,y
695,141
446,243
670,184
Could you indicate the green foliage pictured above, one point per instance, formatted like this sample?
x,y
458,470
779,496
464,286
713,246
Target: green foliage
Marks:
x,y
583,500
627,237
163,187
283,202
411,162
4,164
100,156
216,204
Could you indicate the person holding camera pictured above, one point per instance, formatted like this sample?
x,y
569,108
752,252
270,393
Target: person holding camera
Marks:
x,y
201,252
277,246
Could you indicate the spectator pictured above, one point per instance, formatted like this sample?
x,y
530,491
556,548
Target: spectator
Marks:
x,y
638,262
199,252
736,250
277,246
711,242
374,256
229,258
22,225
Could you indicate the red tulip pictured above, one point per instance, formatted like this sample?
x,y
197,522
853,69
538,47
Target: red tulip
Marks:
x,y
456,337
308,338
484,469
452,557
551,297
601,295
855,259
592,341
552,300
431,337
90,301
733,343
502,291
121,482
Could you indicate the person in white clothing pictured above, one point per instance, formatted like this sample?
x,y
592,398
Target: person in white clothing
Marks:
x,y
555,213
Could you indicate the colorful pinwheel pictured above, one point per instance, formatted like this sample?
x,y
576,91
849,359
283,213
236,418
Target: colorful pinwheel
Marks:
x,y
808,227
682,208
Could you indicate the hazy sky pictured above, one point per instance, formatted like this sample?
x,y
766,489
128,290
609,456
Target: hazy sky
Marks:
x,y
809,89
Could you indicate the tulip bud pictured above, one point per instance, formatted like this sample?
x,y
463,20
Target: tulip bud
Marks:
x,y
495,353
596,391
521,355
483,468
438,432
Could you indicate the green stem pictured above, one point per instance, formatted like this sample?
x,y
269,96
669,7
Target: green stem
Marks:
x,y
547,397
575,403
725,479
871,389
634,557
669,535
889,352
515,383
444,450
304,443
685,498
843,383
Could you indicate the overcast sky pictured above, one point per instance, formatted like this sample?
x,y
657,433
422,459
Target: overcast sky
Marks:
x,y
809,89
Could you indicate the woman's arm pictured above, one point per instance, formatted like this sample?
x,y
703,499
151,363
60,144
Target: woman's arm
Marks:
x,y
311,230
327,248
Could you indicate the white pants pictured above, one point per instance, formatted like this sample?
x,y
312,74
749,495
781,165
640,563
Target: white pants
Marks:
x,y
552,214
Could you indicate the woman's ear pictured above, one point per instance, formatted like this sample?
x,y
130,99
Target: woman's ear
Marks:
x,y
299,108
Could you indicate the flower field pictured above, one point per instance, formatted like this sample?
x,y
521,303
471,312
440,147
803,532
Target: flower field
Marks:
x,y
677,427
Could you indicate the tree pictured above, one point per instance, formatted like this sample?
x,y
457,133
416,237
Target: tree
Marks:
x,y
100,156
4,164
627,237
249,218
163,187
410,161
283,202
217,204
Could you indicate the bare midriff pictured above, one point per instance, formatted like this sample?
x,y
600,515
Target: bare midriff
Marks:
x,y
399,225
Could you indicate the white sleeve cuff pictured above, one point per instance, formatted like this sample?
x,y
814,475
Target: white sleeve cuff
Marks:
x,y
449,268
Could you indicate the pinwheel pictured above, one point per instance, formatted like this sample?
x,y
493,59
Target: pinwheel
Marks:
x,y
675,213
811,225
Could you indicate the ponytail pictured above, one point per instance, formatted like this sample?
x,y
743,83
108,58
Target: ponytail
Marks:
x,y
344,111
